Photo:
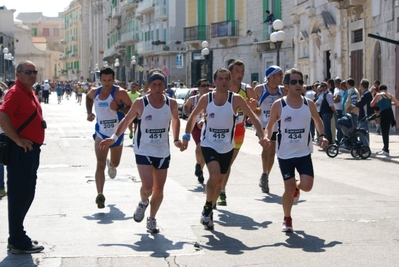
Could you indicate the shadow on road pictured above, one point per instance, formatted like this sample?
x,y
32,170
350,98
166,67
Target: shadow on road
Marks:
x,y
114,214
18,260
221,242
230,219
155,243
306,242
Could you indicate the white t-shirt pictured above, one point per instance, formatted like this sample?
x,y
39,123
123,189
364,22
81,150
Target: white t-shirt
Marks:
x,y
338,92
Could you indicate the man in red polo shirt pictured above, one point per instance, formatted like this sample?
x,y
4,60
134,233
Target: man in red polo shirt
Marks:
x,y
18,106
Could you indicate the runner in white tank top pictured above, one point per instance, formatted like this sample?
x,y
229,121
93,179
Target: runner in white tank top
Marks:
x,y
294,145
293,138
267,93
217,136
155,111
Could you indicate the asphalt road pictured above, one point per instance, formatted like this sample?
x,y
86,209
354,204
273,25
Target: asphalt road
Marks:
x,y
350,218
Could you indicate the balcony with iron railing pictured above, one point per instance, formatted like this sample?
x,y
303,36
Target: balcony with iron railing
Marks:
x,y
128,5
224,29
146,6
196,34
116,12
145,48
169,47
161,12
130,37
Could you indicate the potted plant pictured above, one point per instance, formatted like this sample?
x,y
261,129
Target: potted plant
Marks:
x,y
178,42
166,48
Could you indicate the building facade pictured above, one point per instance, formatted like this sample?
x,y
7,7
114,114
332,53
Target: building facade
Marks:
x,y
7,42
46,35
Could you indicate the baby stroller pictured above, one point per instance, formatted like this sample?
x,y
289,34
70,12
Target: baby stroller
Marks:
x,y
352,130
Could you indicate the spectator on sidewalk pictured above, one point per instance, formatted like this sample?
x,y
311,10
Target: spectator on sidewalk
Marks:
x,y
364,107
20,106
384,101
337,98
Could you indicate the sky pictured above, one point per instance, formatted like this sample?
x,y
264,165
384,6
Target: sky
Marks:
x,y
49,8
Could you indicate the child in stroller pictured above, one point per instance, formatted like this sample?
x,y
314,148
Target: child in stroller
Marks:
x,y
352,130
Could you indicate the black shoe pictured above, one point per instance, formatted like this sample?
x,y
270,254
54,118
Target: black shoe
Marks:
x,y
201,179
32,249
9,246
198,170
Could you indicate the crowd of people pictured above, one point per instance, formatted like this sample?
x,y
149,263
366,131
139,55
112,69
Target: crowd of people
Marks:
x,y
286,114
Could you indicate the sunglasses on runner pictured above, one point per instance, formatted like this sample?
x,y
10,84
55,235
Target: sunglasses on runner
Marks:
x,y
293,82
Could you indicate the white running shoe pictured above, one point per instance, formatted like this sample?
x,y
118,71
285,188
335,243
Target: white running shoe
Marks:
x,y
152,225
138,215
111,170
383,152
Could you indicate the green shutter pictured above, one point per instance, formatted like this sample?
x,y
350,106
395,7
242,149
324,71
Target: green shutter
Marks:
x,y
201,7
164,34
230,10
128,52
277,9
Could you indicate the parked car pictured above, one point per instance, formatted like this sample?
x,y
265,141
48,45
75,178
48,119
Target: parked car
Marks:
x,y
181,94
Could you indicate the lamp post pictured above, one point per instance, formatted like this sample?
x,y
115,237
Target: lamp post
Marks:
x,y
205,68
116,64
278,37
133,63
5,57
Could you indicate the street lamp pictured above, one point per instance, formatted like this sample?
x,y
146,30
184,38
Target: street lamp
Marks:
x,y
133,63
205,49
116,64
5,57
278,37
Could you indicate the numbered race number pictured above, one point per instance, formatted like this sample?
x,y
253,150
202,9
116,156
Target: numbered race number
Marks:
x,y
108,124
220,135
295,135
155,135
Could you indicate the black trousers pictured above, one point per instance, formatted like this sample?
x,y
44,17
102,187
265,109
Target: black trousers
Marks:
x,y
21,183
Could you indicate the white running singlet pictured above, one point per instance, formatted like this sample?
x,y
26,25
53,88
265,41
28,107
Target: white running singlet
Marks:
x,y
107,119
293,137
218,129
265,103
152,134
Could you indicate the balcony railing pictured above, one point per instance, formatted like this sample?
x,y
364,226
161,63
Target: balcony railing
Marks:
x,y
146,6
145,47
224,29
130,37
128,5
116,12
160,12
196,33
170,46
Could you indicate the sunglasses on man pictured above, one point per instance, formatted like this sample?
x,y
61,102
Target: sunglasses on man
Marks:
x,y
29,72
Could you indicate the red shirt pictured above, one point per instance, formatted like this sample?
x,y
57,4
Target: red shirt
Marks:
x,y
19,105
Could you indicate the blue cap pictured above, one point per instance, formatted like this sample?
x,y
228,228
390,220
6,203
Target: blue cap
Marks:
x,y
272,70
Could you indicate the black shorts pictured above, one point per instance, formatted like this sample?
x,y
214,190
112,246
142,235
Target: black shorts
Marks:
x,y
157,163
224,160
135,121
303,165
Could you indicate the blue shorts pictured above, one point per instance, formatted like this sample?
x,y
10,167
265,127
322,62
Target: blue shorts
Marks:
x,y
157,163
303,165
102,137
